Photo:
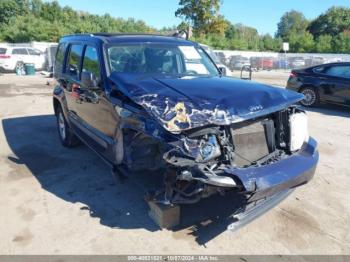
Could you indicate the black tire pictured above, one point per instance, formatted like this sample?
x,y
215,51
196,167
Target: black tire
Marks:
x,y
18,64
312,97
65,133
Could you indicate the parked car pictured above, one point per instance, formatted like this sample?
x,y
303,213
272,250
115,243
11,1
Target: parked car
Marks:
x,y
264,63
12,57
222,58
328,83
146,102
215,58
237,62
317,61
281,63
297,62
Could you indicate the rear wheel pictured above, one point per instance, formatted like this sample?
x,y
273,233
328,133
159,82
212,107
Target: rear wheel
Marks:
x,y
311,97
19,66
67,137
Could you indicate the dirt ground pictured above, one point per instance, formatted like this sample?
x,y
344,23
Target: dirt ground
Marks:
x,y
60,201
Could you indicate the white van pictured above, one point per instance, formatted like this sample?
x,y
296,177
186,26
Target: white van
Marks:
x,y
11,57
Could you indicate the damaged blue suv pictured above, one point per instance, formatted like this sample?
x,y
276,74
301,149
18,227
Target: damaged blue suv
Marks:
x,y
148,102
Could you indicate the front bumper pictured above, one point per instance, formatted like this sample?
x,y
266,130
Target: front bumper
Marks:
x,y
293,171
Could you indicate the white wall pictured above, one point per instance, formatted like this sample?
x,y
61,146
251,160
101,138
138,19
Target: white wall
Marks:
x,y
249,54
42,46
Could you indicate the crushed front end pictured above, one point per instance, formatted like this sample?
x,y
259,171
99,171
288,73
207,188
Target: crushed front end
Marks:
x,y
258,158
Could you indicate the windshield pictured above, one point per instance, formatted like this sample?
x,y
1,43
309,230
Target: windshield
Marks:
x,y
167,59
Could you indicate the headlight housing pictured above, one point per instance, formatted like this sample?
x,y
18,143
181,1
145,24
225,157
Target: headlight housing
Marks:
x,y
209,149
299,132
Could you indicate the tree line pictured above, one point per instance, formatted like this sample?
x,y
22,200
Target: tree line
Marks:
x,y
35,20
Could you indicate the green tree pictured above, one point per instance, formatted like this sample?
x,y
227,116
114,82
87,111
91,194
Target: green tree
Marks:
x,y
292,22
8,9
198,13
333,22
323,44
35,7
249,35
217,26
51,11
24,6
231,31
34,20
341,43
28,28
267,43
182,26
301,42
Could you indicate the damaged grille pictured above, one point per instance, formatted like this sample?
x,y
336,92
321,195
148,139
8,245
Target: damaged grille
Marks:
x,y
253,141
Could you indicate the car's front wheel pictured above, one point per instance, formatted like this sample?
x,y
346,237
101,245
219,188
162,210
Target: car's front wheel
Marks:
x,y
67,137
311,97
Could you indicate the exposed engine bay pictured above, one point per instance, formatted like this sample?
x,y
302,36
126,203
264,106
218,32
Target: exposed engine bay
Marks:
x,y
202,161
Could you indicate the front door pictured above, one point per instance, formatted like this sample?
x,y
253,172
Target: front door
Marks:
x,y
338,84
70,80
93,108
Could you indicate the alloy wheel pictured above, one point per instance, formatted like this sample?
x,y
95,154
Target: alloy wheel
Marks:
x,y
61,126
310,97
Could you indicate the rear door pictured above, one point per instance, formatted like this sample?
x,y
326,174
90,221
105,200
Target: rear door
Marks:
x,y
20,55
36,57
337,84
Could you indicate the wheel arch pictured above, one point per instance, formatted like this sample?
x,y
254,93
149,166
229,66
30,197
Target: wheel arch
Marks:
x,y
56,104
59,101
307,86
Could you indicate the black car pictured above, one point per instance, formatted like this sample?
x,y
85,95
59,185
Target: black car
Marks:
x,y
146,102
329,83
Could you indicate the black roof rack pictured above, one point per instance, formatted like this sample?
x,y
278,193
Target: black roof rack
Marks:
x,y
104,36
176,34
124,34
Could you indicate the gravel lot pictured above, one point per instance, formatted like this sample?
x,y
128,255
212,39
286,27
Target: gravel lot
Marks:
x,y
60,201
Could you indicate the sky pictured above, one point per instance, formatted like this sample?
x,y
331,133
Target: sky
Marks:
x,y
260,14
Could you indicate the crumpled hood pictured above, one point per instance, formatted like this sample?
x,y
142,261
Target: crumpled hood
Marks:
x,y
184,103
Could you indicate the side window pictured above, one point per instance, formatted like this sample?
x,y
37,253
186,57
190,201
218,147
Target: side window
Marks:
x,y
59,60
320,69
73,62
19,51
91,62
2,51
34,52
339,71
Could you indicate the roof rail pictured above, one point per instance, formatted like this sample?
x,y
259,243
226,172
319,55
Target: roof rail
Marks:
x,y
101,35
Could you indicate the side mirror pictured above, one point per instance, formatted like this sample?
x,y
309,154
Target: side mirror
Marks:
x,y
89,80
223,70
246,72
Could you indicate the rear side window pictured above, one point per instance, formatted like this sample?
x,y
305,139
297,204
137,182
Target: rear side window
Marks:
x,y
19,51
91,62
59,60
34,52
339,71
3,51
319,70
74,59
